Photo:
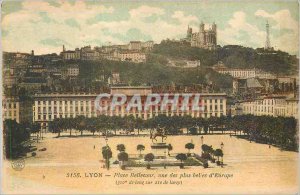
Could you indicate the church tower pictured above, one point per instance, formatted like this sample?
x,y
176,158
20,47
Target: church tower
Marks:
x,y
189,33
214,27
201,27
214,30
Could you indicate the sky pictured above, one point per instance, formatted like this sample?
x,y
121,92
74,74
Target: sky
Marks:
x,y
44,26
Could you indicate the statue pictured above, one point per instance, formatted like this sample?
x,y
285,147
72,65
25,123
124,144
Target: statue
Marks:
x,y
160,132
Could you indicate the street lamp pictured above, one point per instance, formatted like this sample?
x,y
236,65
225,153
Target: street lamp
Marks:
x,y
202,143
222,146
107,160
165,159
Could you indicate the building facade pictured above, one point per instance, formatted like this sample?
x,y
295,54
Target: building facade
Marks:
x,y
132,56
242,73
71,55
11,109
70,71
271,106
48,107
135,45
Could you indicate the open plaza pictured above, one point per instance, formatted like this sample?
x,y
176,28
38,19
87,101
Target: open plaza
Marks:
x,y
75,165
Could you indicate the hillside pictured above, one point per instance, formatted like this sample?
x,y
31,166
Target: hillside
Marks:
x,y
233,56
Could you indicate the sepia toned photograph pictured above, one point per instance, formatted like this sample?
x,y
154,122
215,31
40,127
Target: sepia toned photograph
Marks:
x,y
149,97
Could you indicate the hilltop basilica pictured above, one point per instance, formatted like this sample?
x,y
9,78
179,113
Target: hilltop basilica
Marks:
x,y
205,38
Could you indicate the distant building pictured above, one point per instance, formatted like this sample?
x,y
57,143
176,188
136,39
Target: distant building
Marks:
x,y
37,68
241,72
148,45
205,38
287,83
71,55
114,78
236,110
249,85
33,81
292,107
134,52
132,56
17,59
11,108
135,45
280,85
192,64
271,106
71,70
9,77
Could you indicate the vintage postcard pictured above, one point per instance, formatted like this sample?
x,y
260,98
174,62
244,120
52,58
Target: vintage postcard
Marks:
x,y
149,97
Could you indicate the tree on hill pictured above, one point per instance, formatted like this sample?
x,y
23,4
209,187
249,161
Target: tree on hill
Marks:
x,y
234,56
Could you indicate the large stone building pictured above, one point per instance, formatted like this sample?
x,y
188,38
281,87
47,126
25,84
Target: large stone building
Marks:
x,y
205,38
11,108
71,55
70,71
242,72
47,107
271,106
9,77
135,45
15,109
131,56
